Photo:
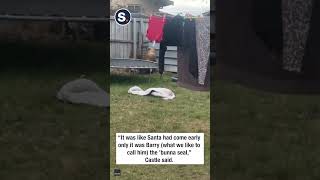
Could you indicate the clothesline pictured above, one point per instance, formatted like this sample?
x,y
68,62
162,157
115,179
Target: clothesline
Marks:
x,y
188,11
192,41
186,16
185,11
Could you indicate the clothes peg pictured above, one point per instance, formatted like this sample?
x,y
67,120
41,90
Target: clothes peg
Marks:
x,y
164,17
188,15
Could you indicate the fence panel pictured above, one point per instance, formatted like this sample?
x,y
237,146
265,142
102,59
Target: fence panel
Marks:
x,y
123,38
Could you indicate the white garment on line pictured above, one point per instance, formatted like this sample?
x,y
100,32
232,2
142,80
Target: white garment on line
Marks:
x,y
164,93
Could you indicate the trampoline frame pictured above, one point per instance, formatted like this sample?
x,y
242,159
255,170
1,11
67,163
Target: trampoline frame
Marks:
x,y
134,67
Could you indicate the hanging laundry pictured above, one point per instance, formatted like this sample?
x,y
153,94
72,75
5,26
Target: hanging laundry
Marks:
x,y
172,31
189,44
185,78
172,36
188,60
296,16
203,46
155,28
162,53
268,26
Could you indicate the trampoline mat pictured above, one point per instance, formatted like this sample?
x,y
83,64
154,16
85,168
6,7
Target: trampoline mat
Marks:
x,y
133,64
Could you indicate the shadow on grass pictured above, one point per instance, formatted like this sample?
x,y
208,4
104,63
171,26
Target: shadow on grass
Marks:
x,y
124,79
58,57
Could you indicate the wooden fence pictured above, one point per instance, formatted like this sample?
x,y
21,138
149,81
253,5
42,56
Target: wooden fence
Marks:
x,y
130,42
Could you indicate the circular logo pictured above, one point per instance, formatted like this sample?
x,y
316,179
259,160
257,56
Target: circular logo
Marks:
x,y
122,17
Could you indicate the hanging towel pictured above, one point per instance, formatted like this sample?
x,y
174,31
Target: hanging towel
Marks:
x,y
296,16
155,28
203,46
164,93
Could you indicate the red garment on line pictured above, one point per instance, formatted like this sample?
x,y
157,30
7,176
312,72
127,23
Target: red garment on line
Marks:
x,y
155,28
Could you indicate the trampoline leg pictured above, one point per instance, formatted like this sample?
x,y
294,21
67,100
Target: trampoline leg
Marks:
x,y
150,71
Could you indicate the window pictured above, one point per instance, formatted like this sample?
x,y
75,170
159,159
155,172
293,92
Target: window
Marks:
x,y
134,8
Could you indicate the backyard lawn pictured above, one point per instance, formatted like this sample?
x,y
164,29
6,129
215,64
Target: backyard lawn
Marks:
x,y
261,135
41,137
189,112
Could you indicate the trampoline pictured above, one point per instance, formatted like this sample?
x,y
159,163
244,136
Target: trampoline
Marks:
x,y
128,63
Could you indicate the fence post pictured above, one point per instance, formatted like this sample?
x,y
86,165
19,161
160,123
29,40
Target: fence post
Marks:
x,y
142,35
134,38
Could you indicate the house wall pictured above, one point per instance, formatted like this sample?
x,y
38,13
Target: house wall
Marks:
x,y
170,58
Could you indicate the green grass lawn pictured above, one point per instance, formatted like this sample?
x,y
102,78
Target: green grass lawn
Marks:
x,y
261,135
189,112
42,138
